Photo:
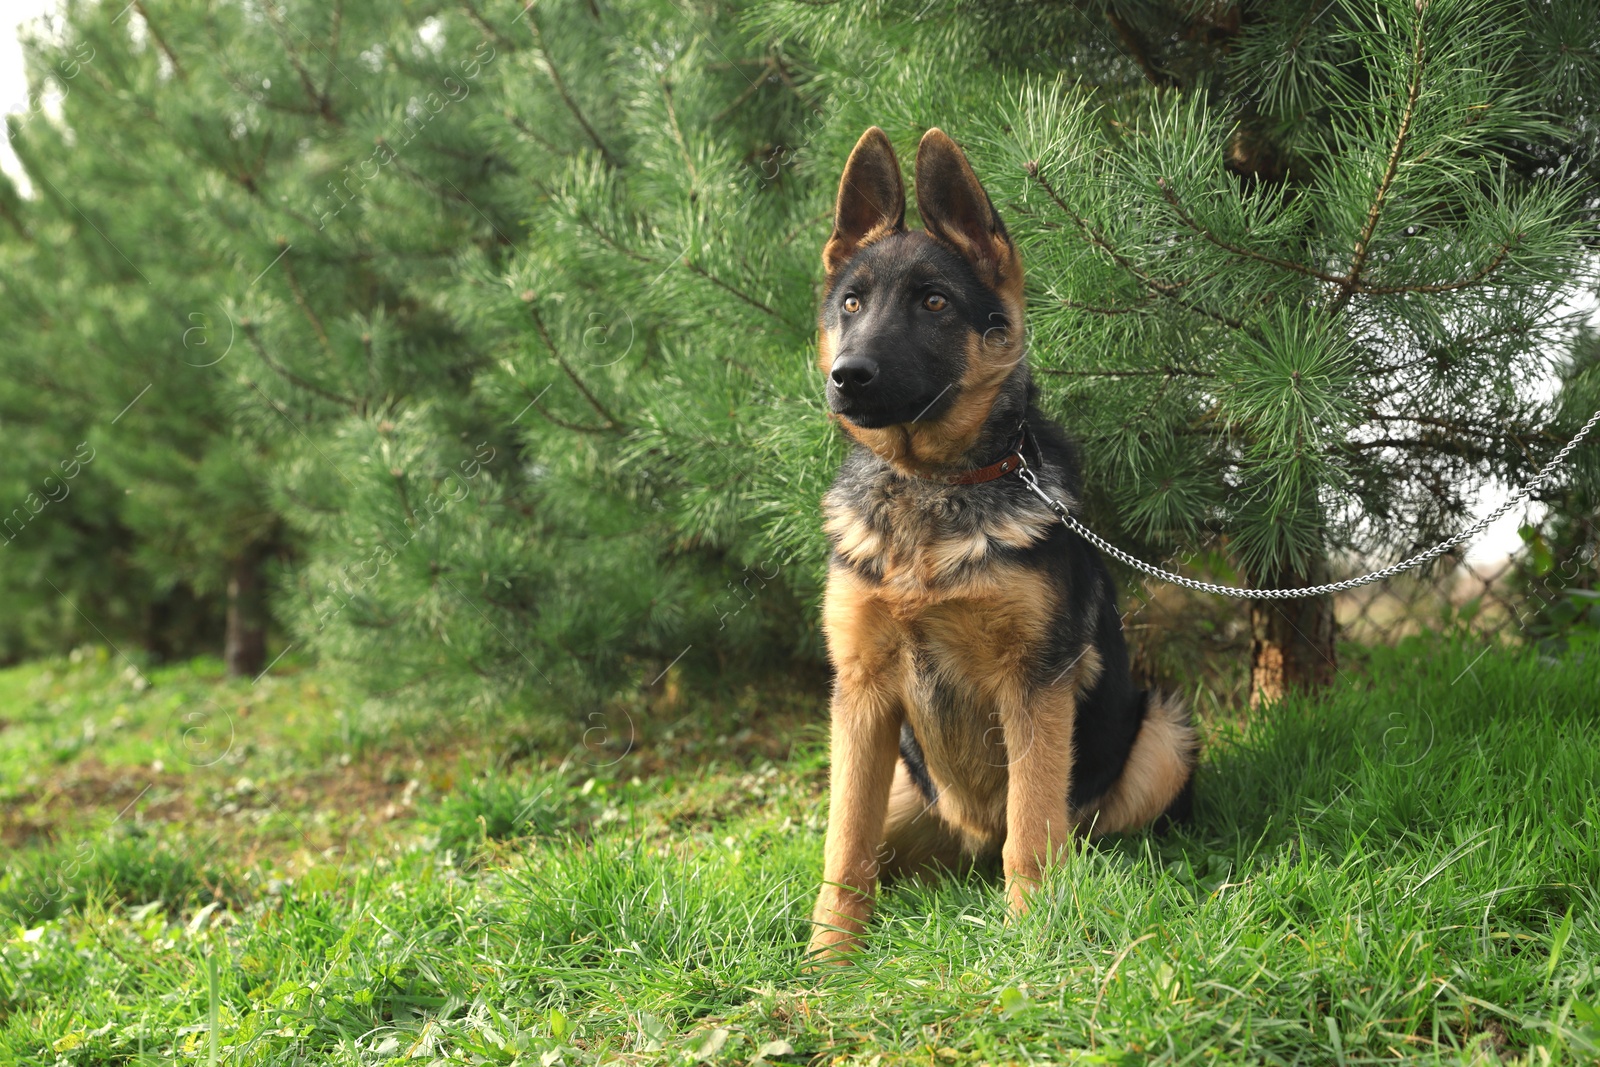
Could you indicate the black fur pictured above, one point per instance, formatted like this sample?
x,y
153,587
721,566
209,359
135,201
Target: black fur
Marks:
x,y
918,352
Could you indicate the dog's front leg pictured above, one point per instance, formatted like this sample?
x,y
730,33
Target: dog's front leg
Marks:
x,y
864,746
1038,734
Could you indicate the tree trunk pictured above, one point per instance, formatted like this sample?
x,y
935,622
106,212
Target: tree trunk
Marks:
x,y
245,642
1292,641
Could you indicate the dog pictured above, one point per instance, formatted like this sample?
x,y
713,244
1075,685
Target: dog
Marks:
x,y
982,706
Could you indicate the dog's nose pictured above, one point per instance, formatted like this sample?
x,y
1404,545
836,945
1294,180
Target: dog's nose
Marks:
x,y
853,373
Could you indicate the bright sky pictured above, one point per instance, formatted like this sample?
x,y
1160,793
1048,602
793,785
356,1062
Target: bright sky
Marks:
x,y
1495,543
13,86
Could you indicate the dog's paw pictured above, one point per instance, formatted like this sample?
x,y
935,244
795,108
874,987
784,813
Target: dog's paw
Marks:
x,y
830,948
1021,884
1019,898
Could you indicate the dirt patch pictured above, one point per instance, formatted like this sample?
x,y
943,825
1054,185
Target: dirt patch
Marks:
x,y
650,748
81,793
87,792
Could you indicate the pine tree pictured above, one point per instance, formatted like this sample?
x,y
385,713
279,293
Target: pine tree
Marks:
x,y
521,403
349,192
158,504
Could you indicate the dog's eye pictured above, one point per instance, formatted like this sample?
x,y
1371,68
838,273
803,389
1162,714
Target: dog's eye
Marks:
x,y
852,304
935,302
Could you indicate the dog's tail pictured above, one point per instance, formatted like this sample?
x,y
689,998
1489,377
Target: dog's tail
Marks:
x,y
1158,779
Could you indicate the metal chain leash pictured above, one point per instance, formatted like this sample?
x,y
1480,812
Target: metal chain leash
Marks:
x,y
1026,474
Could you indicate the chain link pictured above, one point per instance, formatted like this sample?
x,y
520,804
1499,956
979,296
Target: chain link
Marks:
x,y
1026,474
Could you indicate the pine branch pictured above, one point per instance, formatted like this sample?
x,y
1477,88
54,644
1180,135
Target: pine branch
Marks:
x,y
1079,305
1238,250
334,35
822,216
1134,48
1445,287
1103,372
1430,446
521,126
432,186
1171,290
246,90
1522,445
714,280
306,309
735,64
369,358
1434,353
484,161
1343,281
1429,420
16,223
612,423
1143,416
288,375
573,426
566,97
612,243
1313,13
319,98
769,68
261,159
677,134
113,92
1364,243
405,498
161,41
485,28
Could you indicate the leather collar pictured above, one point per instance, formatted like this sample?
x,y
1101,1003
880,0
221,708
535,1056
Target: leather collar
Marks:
x,y
999,469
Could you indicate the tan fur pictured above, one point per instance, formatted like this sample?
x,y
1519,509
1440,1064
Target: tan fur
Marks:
x,y
914,560
853,539
865,644
1038,825
864,639
916,841
1161,761
950,555
878,233
1000,781
988,629
978,639
1020,532
942,444
1010,289
1083,672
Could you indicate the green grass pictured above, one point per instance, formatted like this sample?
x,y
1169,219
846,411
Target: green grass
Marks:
x,y
1406,870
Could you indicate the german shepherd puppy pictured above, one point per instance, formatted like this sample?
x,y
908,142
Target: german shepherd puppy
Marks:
x,y
982,706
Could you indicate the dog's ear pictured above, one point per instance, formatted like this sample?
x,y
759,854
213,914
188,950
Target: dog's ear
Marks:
x,y
955,208
872,200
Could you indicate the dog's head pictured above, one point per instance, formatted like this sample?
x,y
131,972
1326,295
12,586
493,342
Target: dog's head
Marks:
x,y
920,330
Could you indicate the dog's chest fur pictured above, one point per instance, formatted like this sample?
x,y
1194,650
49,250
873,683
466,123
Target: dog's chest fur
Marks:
x,y
930,588
924,541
